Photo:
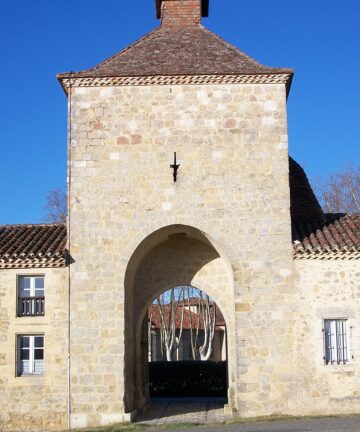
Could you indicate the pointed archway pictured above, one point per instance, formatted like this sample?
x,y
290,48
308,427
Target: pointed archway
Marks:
x,y
176,255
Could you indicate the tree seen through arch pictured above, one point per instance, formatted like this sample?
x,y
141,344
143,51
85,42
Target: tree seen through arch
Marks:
x,y
184,323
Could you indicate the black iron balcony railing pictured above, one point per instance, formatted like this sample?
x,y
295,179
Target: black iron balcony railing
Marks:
x,y
31,306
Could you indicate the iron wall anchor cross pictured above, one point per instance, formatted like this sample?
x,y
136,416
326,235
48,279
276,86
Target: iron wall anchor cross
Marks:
x,y
175,167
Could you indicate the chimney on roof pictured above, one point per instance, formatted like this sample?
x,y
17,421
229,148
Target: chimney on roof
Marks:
x,y
183,13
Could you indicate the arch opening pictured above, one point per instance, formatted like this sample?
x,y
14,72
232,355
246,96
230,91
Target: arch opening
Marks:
x,y
171,258
187,349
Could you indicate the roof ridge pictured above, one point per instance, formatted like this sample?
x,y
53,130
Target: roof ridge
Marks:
x,y
239,51
127,48
33,224
117,54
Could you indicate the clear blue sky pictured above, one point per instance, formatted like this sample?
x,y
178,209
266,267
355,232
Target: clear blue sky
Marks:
x,y
320,39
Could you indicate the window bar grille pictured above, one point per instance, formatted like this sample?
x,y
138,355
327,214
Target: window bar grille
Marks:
x,y
324,341
335,341
31,306
344,345
338,341
330,343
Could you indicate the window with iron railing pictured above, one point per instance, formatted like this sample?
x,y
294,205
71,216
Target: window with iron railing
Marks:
x,y
336,341
31,296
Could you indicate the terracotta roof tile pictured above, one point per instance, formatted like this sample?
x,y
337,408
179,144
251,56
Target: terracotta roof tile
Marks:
x,y
335,235
192,50
40,245
314,234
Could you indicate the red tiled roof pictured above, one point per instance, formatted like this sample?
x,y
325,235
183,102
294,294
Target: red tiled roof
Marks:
x,y
23,246
192,301
178,51
314,234
336,235
332,236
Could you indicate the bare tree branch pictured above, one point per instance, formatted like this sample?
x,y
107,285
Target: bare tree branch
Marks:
x,y
170,340
206,317
340,192
202,322
56,206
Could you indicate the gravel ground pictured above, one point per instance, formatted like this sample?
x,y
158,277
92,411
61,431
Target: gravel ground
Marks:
x,y
184,410
208,416
344,424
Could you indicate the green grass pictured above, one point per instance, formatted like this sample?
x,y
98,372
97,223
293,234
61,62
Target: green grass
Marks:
x,y
130,427
274,418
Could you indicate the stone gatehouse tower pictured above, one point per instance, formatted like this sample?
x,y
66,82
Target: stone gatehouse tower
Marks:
x,y
134,232
231,224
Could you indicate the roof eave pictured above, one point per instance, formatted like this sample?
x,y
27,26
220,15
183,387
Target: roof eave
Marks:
x,y
63,77
289,82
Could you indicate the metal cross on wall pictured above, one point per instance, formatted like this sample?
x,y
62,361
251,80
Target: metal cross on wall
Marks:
x,y
175,167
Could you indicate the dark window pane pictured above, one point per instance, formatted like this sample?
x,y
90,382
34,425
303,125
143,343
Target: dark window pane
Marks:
x,y
25,292
39,282
24,282
24,342
39,341
24,354
39,354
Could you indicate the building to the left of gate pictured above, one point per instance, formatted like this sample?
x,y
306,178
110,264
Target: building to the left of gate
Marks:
x,y
33,327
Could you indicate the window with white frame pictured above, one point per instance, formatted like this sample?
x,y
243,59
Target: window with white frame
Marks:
x,y
336,344
31,295
31,286
30,355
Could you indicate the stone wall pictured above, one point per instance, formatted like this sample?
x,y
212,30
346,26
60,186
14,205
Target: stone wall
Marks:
x,y
327,289
224,227
231,143
34,402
